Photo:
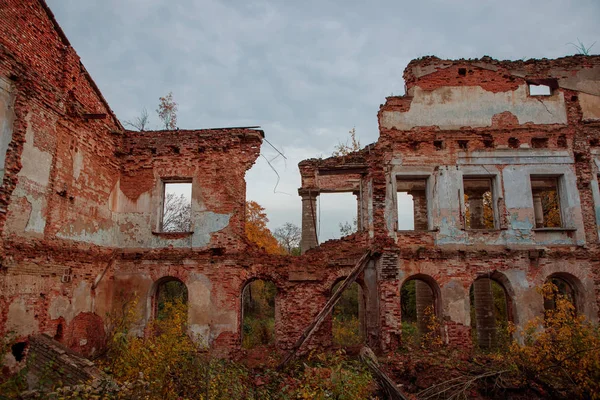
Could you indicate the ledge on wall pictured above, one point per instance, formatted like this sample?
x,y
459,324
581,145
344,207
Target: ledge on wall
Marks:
x,y
173,235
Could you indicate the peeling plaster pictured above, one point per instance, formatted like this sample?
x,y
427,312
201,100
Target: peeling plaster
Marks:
x,y
454,107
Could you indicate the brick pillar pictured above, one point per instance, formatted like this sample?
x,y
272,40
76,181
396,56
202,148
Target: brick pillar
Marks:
x,y
309,219
359,214
538,210
476,210
424,299
484,312
420,209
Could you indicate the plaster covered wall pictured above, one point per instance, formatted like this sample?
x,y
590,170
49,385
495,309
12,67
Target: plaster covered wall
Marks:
x,y
454,107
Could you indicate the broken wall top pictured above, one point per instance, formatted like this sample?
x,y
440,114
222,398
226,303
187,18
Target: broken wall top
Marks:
x,y
486,93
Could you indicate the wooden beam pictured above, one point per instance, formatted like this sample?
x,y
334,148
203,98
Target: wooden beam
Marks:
x,y
385,382
358,268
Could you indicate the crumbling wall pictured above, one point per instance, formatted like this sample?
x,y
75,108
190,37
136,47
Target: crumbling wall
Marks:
x,y
477,118
80,200
214,161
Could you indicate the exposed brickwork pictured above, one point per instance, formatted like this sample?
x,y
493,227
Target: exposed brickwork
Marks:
x,y
81,197
52,363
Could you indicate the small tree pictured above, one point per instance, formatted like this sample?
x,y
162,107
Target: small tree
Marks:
x,y
342,149
257,230
288,236
167,111
140,123
347,228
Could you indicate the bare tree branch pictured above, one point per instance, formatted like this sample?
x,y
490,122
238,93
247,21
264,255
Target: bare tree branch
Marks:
x,y
140,123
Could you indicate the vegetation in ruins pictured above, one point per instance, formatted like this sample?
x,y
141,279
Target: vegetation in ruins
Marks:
x,y
345,328
581,48
167,111
343,149
169,364
560,361
258,301
141,122
257,230
288,235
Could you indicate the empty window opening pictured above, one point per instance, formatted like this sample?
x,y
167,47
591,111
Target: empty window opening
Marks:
x,y
439,144
539,90
462,71
18,350
348,316
546,202
170,299
258,314
337,215
418,311
463,144
488,143
557,289
539,143
479,207
412,204
489,314
177,207
513,143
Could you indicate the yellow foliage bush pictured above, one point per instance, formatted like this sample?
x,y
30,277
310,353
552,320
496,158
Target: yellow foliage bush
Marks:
x,y
346,332
561,351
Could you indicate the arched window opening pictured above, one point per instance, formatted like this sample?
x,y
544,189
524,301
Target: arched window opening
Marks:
x,y
490,314
171,296
556,288
418,308
348,327
258,313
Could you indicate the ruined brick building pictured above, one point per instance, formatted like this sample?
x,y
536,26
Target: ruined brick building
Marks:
x,y
479,152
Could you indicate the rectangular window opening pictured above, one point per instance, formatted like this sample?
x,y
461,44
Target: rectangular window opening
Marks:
x,y
337,215
479,203
546,202
412,204
539,90
177,207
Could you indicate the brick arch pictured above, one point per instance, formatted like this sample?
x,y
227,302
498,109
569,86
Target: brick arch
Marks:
x,y
433,285
509,292
362,305
153,293
574,284
276,305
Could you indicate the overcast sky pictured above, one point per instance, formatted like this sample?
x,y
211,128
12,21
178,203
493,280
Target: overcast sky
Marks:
x,y
306,71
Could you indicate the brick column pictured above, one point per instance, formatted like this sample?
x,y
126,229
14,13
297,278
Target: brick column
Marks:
x,y
484,312
359,214
419,209
538,210
424,299
309,219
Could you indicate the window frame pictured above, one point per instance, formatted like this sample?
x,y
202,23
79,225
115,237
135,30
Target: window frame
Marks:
x,y
161,207
560,190
493,179
407,176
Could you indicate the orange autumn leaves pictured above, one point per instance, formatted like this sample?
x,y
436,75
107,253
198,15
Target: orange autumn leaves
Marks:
x,y
257,231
